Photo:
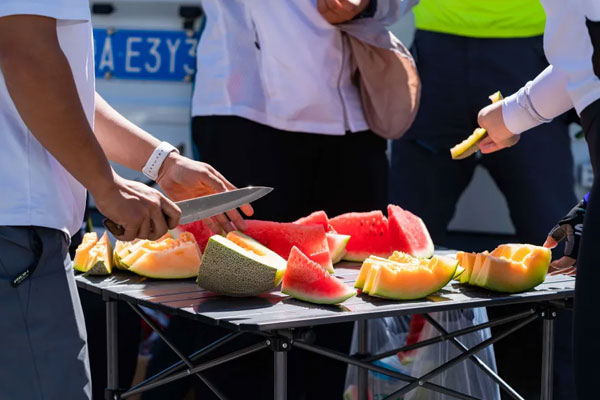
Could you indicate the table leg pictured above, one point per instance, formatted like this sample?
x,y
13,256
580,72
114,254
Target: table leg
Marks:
x,y
112,351
363,349
280,364
548,317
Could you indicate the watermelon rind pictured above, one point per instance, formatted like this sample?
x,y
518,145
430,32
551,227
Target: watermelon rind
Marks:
x,y
319,300
337,246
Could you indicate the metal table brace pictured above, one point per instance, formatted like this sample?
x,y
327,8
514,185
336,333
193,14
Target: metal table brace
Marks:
x,y
280,343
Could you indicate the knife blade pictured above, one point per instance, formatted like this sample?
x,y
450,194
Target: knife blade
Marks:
x,y
214,204
207,206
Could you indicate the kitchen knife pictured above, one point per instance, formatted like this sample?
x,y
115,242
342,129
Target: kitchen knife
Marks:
x,y
207,206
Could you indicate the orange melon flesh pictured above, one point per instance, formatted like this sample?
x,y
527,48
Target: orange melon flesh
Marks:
x,y
83,251
93,256
512,268
365,268
168,259
466,261
413,281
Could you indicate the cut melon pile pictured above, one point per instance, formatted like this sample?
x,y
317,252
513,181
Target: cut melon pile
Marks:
x,y
238,265
93,256
372,234
306,280
403,277
510,268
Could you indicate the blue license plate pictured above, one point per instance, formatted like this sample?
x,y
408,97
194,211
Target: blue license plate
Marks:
x,y
145,54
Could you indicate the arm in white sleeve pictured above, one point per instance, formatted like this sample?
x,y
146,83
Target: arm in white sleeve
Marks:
x,y
538,102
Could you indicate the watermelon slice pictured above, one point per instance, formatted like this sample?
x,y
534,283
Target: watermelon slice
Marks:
x,y
316,218
337,245
369,234
304,279
200,231
281,237
408,233
336,242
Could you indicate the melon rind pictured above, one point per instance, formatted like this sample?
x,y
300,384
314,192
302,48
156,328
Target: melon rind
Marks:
x,y
337,246
468,146
231,270
100,261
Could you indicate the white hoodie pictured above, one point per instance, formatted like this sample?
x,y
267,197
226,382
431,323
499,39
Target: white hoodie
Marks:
x,y
279,63
570,80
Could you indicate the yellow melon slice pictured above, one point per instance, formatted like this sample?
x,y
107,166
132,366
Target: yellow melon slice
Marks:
x,y
83,251
93,256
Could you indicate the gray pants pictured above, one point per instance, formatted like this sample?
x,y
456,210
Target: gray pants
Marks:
x,y
43,349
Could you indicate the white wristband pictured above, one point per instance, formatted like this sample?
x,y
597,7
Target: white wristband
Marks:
x,y
159,155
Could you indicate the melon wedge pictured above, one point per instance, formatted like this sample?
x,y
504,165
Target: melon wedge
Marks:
x,y
369,234
83,251
513,268
305,280
93,256
407,278
468,146
168,259
466,261
337,246
238,265
409,282
408,233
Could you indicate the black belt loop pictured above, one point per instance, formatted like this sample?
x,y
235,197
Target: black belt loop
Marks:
x,y
36,247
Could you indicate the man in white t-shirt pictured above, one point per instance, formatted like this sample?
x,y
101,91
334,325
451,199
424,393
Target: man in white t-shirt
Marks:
x,y
50,151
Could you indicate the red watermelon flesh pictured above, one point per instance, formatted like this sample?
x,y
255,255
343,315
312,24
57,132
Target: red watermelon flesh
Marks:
x,y
408,233
200,231
369,234
304,279
281,237
316,218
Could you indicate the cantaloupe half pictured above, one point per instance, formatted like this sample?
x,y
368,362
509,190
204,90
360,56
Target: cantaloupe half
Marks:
x,y
512,268
407,278
165,259
93,256
238,265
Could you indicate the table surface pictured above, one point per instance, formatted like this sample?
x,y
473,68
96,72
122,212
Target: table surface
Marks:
x,y
275,310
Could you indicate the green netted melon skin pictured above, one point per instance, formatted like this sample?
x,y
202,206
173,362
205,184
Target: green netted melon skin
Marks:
x,y
230,270
98,267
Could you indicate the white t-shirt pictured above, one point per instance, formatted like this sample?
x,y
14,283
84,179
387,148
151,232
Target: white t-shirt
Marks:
x,y
34,188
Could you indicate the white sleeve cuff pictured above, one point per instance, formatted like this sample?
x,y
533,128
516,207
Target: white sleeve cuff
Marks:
x,y
517,114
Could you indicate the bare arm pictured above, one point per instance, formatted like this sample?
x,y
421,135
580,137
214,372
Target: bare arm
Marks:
x,y
118,136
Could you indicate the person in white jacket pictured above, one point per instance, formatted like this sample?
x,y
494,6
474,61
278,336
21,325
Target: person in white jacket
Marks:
x,y
274,105
572,46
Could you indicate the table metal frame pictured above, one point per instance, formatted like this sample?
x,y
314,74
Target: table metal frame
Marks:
x,y
281,337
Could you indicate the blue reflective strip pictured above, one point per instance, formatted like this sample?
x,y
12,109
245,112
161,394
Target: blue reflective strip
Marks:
x,y
586,198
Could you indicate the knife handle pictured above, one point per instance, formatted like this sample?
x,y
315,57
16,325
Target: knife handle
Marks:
x,y
115,229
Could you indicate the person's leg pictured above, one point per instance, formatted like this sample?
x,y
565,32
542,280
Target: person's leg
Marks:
x,y
44,352
423,177
586,325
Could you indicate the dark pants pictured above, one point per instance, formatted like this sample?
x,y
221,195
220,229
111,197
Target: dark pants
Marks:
x,y
458,74
309,172
586,326
43,351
